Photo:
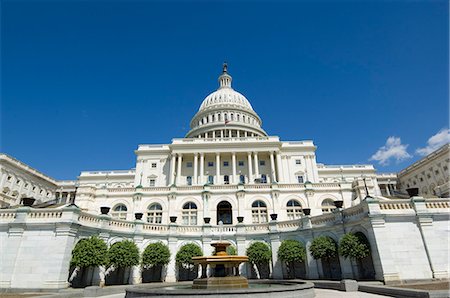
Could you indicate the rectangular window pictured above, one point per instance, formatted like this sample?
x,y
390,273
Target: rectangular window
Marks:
x,y
152,182
210,164
298,161
300,179
225,163
242,179
226,179
189,164
210,179
189,180
262,162
153,164
241,163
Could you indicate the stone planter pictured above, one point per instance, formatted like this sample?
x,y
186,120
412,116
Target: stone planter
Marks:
x,y
28,202
240,219
307,211
104,210
138,215
412,192
207,219
173,219
338,204
274,216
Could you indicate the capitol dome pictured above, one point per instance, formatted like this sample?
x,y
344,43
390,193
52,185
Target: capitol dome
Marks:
x,y
225,113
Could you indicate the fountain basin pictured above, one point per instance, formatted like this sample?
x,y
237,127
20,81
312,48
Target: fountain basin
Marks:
x,y
258,288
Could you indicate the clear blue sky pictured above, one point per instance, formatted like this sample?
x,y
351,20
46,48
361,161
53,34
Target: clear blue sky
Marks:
x,y
84,82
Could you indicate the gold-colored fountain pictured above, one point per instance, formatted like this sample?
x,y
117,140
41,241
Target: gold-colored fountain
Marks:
x,y
224,269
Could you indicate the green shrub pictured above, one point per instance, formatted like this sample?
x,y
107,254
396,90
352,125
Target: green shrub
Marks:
x,y
185,254
353,246
123,254
89,252
156,254
259,253
323,247
292,251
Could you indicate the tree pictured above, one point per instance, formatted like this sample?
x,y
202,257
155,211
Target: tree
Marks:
x,y
291,252
90,252
353,246
155,254
185,254
325,249
260,254
123,254
184,261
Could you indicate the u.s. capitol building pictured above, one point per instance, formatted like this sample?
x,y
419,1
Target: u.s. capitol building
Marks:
x,y
227,169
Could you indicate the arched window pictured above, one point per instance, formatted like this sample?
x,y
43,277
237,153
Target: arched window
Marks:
x,y
154,213
294,209
328,206
190,214
120,212
259,212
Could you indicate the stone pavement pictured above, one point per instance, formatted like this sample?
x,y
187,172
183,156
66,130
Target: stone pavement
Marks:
x,y
320,293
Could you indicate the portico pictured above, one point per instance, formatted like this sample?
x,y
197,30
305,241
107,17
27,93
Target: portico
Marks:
x,y
226,167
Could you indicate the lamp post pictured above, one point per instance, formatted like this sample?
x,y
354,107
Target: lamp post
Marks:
x,y
365,187
72,199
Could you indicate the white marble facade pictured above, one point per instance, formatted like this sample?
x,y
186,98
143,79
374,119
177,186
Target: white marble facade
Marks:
x,y
228,159
226,168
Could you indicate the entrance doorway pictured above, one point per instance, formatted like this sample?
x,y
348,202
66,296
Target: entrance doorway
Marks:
x,y
224,213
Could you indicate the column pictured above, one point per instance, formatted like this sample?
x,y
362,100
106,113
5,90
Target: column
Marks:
x,y
172,170
217,168
221,133
202,168
255,155
289,177
272,167
233,164
214,134
195,175
250,171
279,168
387,189
180,161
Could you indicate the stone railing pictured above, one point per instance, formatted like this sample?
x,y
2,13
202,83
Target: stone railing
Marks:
x,y
155,228
7,215
225,230
189,229
290,225
66,215
257,228
45,214
121,225
89,220
395,205
437,204
323,219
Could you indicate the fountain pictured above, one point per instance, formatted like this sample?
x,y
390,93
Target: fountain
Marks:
x,y
225,269
224,280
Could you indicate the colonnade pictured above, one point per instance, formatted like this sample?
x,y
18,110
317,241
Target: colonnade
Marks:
x,y
199,176
227,133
